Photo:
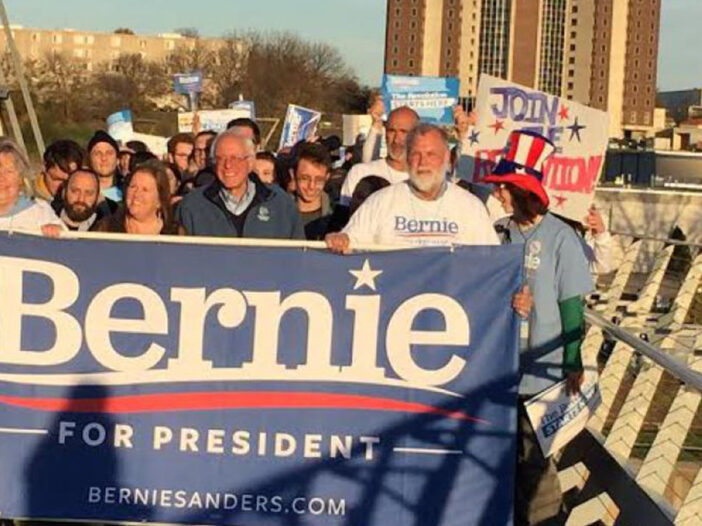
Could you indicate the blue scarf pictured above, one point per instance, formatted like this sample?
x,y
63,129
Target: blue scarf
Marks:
x,y
20,205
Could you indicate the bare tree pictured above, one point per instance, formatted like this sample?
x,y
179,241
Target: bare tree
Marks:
x,y
273,69
185,59
59,85
130,82
189,32
276,69
229,69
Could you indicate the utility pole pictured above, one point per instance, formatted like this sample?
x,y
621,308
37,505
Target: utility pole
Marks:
x,y
19,70
10,108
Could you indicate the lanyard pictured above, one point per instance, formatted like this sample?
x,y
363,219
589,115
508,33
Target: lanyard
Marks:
x,y
531,248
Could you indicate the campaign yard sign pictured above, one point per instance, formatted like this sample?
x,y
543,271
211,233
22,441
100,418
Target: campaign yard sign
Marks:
x,y
579,132
187,83
120,126
557,418
215,120
300,124
155,143
368,390
247,106
433,98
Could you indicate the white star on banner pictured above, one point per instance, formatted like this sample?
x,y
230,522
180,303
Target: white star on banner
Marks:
x,y
366,276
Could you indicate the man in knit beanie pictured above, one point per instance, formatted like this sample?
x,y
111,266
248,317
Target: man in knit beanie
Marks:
x,y
103,152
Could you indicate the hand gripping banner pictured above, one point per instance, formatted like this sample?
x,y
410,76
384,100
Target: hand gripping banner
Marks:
x,y
213,384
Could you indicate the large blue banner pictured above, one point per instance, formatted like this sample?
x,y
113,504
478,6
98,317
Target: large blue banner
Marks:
x,y
187,383
433,98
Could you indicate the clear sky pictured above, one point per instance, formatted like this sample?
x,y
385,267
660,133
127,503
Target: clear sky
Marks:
x,y
355,27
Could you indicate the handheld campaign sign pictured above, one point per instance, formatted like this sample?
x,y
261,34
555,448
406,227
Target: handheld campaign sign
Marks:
x,y
120,127
336,392
558,418
433,98
215,120
300,123
579,132
244,106
155,143
187,83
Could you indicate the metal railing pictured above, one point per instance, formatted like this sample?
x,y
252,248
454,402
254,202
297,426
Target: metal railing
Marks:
x,y
639,461
673,366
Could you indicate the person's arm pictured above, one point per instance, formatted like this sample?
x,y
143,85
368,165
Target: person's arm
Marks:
x,y
183,218
371,147
463,124
50,224
572,323
573,282
599,240
357,231
601,245
348,186
362,225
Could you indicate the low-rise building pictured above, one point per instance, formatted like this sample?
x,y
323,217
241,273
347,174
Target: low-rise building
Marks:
x,y
94,47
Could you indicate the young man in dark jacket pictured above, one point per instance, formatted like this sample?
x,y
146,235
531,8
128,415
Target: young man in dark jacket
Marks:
x,y
237,204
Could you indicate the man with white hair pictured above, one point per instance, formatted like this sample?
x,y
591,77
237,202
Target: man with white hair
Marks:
x,y
237,203
425,210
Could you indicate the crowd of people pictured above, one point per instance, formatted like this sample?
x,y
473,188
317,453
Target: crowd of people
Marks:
x,y
226,185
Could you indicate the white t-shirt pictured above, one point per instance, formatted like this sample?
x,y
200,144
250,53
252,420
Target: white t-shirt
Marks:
x,y
380,168
396,216
33,218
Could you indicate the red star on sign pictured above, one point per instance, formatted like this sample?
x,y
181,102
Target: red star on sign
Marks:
x,y
499,125
560,200
563,114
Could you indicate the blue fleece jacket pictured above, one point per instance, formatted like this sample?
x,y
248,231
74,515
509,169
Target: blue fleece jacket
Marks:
x,y
271,215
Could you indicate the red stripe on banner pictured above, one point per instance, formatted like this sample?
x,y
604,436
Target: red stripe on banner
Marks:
x,y
428,234
537,148
228,400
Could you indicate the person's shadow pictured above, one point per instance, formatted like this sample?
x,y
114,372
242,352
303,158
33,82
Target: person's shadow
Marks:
x,y
58,476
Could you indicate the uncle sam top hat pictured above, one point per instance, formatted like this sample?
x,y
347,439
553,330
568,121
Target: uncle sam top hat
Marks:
x,y
522,165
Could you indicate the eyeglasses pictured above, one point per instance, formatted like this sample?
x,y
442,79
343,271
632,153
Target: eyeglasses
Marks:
x,y
233,159
316,181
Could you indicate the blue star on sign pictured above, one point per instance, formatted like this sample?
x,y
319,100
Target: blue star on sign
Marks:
x,y
474,137
575,130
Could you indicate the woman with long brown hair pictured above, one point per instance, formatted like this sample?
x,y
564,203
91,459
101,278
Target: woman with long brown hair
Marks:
x,y
557,275
147,204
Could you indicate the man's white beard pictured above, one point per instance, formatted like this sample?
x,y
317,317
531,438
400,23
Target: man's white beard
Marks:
x,y
428,184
